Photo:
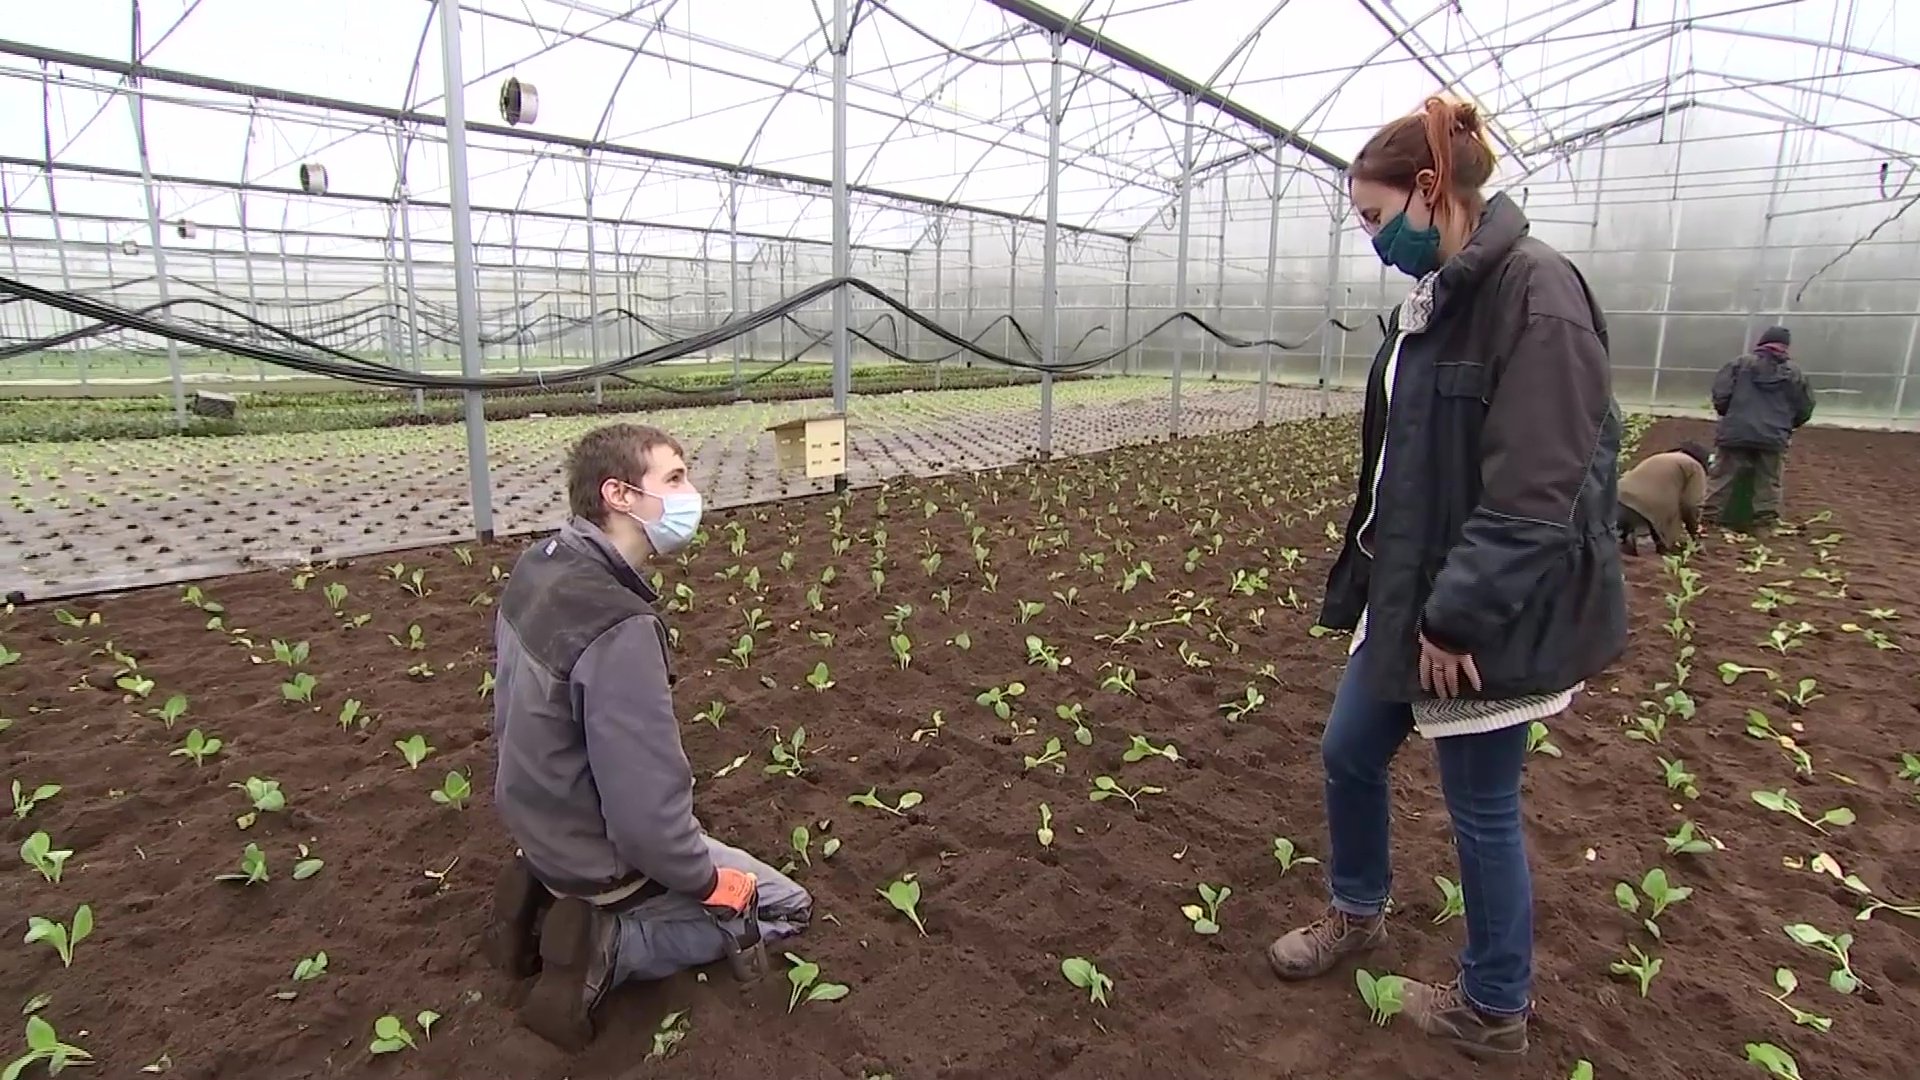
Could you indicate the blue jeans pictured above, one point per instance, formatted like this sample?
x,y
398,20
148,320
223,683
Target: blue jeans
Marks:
x,y
1480,776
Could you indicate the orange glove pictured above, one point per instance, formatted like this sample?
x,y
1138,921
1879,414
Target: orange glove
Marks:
x,y
732,891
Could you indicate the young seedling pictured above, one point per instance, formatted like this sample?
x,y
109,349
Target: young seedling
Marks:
x,y
45,1048
1660,893
1044,833
1843,979
1244,704
713,713
1804,693
870,798
902,647
1539,742
1641,967
351,715
1051,755
173,709
253,867
1909,767
390,1036
934,723
63,937
1782,803
1028,609
819,678
1206,919
673,1030
1082,973
294,654
1105,788
1730,673
741,655
801,840
1121,681
1041,654
1788,982
786,755
415,641
1141,748
1073,715
1384,995
904,895
1776,1061
804,977
413,749
454,791
299,688
37,851
1453,900
306,865
1689,840
310,968
1288,856
264,794
1000,698
24,801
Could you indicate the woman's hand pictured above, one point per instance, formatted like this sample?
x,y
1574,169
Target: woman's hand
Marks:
x,y
1441,671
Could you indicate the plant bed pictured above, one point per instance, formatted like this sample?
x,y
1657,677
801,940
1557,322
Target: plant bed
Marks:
x,y
1202,668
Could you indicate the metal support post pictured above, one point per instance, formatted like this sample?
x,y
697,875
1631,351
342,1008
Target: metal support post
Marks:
x,y
137,103
1180,267
1906,366
966,324
783,295
909,330
939,261
1273,254
842,218
593,284
465,285
1335,234
1049,259
520,319
53,211
1673,254
1216,346
404,147
1129,359
733,271
1013,289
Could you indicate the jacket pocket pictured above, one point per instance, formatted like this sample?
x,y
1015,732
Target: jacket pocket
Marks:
x,y
1461,379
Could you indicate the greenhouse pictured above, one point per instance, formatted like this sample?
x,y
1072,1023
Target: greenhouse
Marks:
x,y
320,296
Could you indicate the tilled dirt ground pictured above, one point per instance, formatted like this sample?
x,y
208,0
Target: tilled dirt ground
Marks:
x,y
193,975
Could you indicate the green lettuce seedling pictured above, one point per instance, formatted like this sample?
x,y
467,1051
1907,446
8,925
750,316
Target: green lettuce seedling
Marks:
x,y
414,749
672,1031
1288,856
454,791
904,895
253,867
265,795
1781,803
999,698
38,852
63,937
1385,995
1139,748
1081,972
1660,893
804,977
1453,900
44,1048
292,655
1104,788
786,755
907,801
1052,755
819,678
24,801
1785,979
1206,919
1538,741
390,1036
310,968
1044,833
174,708
1776,1061
198,746
1640,966
1843,979
299,688
1688,840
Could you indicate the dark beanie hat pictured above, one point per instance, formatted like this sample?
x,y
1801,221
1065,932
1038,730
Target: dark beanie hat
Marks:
x,y
1775,335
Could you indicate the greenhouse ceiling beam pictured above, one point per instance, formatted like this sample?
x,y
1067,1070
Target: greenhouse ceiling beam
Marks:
x,y
1056,23
128,70
1613,127
255,187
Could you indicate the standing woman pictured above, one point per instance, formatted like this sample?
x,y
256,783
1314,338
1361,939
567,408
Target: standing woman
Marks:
x,y
1480,575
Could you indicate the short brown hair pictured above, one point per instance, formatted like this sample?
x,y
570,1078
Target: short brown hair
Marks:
x,y
1445,136
615,451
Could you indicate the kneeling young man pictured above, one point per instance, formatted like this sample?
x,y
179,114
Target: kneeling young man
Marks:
x,y
1662,496
614,880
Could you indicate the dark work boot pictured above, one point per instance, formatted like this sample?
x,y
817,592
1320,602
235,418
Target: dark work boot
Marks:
x,y
1314,949
511,944
579,947
1445,1013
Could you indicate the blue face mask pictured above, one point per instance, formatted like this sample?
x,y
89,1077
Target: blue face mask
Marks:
x,y
1413,252
679,520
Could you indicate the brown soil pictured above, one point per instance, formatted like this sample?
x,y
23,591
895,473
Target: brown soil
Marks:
x,y
187,967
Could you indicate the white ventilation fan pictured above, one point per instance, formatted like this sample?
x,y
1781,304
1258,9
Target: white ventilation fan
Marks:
x,y
519,102
313,178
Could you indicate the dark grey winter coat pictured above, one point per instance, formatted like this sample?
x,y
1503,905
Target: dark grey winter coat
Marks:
x,y
1762,399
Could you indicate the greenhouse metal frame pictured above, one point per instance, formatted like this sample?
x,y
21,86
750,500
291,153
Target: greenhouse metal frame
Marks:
x,y
1099,167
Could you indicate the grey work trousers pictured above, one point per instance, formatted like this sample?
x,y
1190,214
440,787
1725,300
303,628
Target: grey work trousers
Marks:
x,y
667,934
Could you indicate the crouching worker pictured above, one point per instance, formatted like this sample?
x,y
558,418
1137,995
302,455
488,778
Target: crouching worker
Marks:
x,y
614,880
1662,496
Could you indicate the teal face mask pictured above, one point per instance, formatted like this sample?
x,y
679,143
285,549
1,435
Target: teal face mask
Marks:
x,y
1413,252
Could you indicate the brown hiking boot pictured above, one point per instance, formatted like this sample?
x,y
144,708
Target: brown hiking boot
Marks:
x,y
1445,1013
1314,949
579,946
518,899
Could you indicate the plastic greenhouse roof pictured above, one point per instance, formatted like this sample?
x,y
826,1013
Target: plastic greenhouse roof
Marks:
x,y
672,111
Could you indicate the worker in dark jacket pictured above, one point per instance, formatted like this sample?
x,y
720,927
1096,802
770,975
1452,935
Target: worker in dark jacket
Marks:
x,y
614,880
1662,497
1479,573
1762,399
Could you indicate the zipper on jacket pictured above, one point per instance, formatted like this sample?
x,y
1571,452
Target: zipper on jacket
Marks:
x,y
1380,462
